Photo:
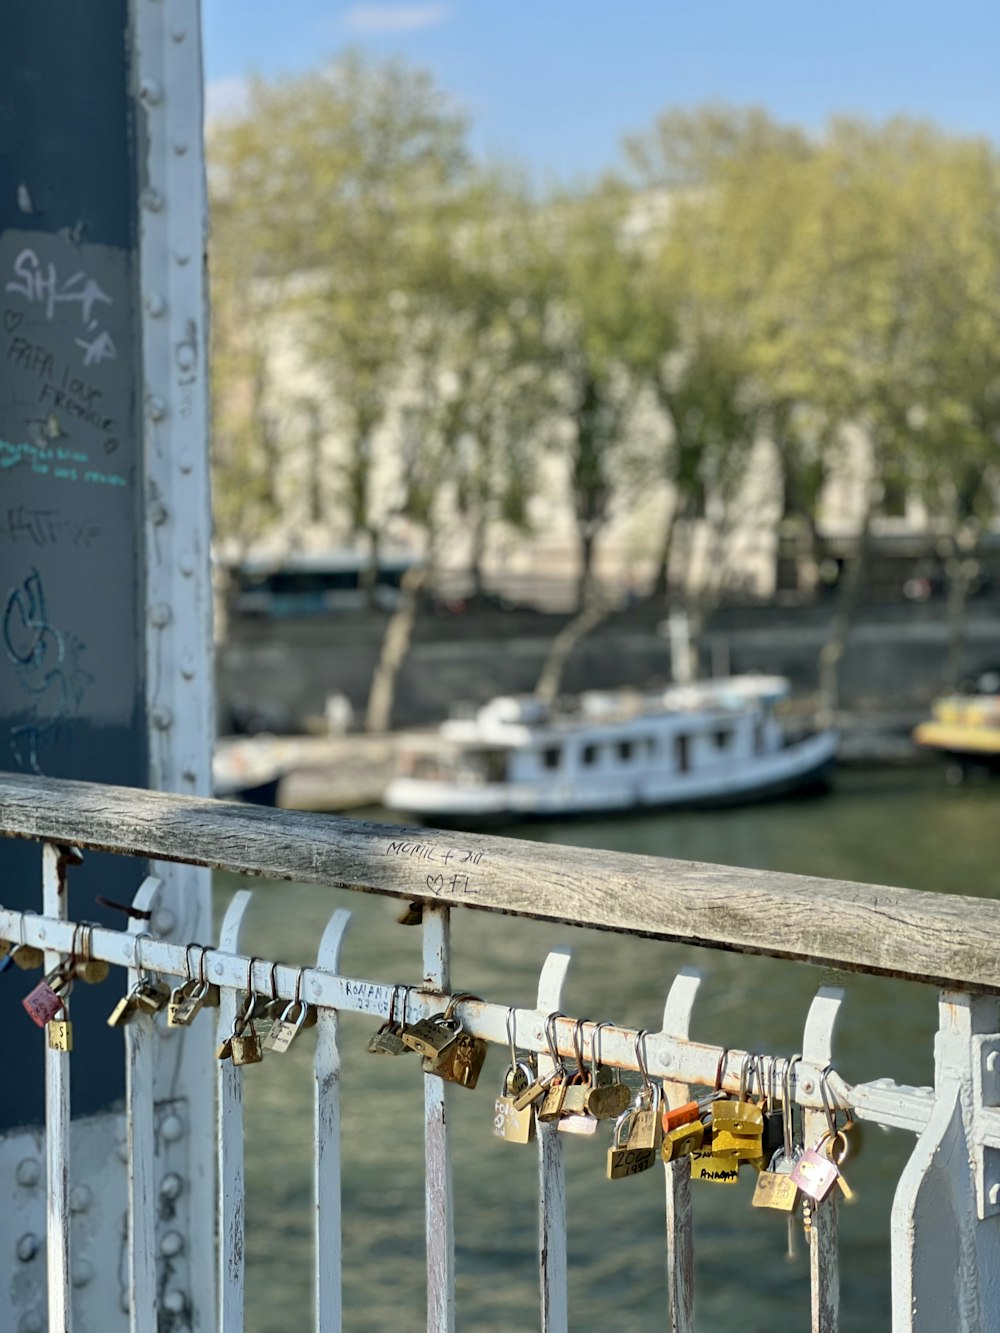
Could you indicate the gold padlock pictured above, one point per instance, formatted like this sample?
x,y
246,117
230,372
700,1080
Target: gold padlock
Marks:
x,y
60,1034
245,1046
460,1062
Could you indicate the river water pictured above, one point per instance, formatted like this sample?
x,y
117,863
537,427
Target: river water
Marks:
x,y
902,827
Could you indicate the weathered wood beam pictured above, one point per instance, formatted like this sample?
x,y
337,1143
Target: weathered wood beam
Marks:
x,y
945,940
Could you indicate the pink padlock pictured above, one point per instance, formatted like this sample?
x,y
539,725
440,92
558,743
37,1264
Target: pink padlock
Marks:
x,y
43,1002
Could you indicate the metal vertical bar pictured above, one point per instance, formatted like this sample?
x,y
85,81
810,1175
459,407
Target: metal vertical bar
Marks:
x,y
172,384
680,1232
57,1121
139,1054
326,1178
551,1179
824,1257
438,1203
232,1221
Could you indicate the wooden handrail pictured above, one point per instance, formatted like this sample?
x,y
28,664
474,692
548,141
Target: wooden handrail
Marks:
x,y
941,939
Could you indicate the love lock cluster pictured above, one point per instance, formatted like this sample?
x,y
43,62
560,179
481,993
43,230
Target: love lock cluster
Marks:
x,y
448,1051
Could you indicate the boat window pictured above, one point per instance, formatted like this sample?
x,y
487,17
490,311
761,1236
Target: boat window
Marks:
x,y
551,756
625,749
589,754
722,737
681,753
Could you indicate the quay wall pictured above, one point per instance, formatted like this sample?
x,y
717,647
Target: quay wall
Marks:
x,y
279,673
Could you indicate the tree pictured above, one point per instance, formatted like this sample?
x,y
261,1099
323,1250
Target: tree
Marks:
x,y
591,275
335,182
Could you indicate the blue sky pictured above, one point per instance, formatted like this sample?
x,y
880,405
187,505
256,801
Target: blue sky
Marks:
x,y
556,84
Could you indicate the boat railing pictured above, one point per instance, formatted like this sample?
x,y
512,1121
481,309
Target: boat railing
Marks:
x,y
945,1225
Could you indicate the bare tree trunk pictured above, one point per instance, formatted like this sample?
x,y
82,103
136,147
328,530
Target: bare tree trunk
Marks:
x,y
585,584
661,579
848,592
961,567
395,646
563,645
477,553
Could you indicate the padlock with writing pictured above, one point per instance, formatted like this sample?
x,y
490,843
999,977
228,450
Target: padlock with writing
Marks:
x,y
775,1187
46,1000
624,1160
714,1168
509,1123
60,1034
285,1029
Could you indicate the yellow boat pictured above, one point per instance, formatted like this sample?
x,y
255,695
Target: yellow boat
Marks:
x,y
965,727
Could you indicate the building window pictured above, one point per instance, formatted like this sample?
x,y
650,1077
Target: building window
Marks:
x,y
722,737
550,757
590,754
625,749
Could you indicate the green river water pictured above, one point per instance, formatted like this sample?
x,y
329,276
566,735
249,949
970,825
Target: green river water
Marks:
x,y
902,827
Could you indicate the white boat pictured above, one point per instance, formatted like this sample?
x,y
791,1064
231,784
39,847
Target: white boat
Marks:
x,y
708,743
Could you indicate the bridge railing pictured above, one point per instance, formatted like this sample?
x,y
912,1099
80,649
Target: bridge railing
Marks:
x,y
944,1243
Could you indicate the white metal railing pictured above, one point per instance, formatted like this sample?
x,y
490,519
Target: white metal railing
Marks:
x,y
954,1172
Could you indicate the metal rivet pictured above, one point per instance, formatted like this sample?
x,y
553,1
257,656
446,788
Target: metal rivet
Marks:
x,y
28,1246
180,147
187,563
156,408
171,1186
151,92
186,356
182,257
158,514
151,199
172,1129
29,1171
808,1085
172,1244
174,1302
82,1273
80,1198
217,970
162,718
178,34
185,460
188,666
159,615
315,989
155,305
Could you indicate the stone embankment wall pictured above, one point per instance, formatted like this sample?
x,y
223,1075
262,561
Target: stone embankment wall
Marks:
x,y
280,672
